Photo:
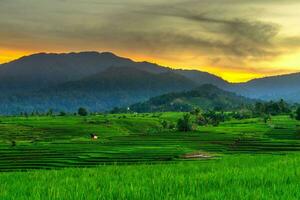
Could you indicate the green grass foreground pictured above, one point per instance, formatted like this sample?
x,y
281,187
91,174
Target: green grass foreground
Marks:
x,y
232,177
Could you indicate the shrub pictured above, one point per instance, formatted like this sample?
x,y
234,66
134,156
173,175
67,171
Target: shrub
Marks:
x,y
82,112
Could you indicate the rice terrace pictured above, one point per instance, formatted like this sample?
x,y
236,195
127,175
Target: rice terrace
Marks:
x,y
254,157
149,100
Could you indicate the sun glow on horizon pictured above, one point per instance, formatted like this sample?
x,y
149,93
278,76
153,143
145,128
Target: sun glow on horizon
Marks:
x,y
10,55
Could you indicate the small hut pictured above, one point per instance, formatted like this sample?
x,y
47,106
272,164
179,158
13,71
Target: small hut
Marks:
x,y
94,136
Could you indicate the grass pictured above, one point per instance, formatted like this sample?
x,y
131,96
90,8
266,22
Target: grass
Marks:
x,y
232,177
135,158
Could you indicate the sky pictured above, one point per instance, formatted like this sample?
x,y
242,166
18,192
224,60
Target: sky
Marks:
x,y
236,39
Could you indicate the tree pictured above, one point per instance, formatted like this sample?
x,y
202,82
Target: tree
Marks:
x,y
184,124
298,114
82,112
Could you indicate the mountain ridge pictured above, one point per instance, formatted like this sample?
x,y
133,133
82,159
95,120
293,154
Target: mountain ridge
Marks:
x,y
63,78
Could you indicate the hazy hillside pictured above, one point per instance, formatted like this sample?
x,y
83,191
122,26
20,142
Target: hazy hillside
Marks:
x,y
116,86
271,88
205,97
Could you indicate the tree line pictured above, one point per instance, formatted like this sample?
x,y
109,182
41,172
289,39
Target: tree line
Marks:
x,y
263,110
81,112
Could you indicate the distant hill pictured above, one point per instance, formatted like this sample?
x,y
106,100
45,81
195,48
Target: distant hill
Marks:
x,y
116,86
270,88
205,97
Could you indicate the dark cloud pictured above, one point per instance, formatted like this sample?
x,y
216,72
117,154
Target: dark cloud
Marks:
x,y
235,36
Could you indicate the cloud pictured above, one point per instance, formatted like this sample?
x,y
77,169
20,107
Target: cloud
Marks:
x,y
235,36
138,24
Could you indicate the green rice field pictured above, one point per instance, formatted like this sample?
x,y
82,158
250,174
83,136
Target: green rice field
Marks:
x,y
53,157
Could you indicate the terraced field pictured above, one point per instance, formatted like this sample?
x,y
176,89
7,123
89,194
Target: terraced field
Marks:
x,y
57,142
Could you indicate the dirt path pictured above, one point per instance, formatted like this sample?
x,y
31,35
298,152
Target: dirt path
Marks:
x,y
198,155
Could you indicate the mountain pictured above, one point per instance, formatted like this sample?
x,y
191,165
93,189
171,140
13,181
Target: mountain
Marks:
x,y
270,88
43,70
205,97
116,86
